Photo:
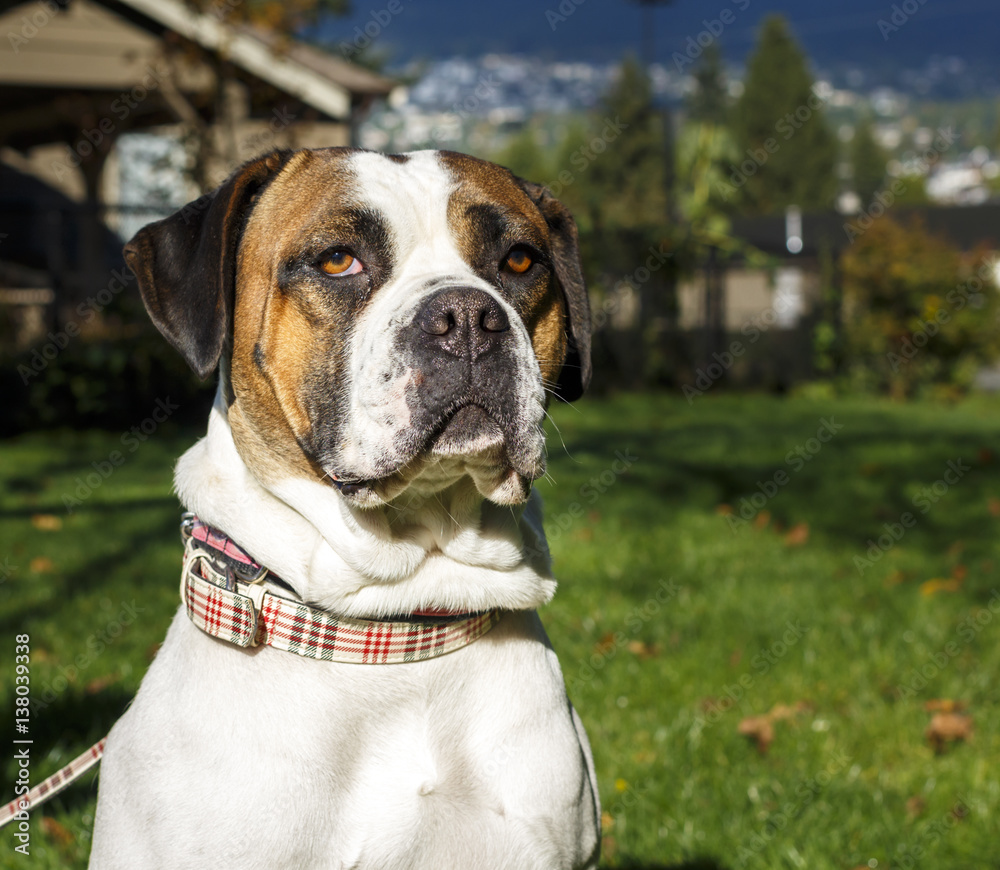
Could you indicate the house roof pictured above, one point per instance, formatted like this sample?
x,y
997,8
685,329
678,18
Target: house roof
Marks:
x,y
965,226
61,61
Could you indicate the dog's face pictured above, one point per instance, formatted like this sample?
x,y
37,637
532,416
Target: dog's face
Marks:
x,y
381,321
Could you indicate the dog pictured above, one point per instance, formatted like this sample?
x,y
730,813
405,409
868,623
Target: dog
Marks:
x,y
388,331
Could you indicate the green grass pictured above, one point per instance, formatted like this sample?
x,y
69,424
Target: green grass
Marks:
x,y
664,614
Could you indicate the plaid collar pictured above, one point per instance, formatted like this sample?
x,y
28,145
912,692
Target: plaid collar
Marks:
x,y
224,592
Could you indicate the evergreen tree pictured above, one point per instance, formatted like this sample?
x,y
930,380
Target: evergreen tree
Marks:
x,y
868,162
788,152
708,103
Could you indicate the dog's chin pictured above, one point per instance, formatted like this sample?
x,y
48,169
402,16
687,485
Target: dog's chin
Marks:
x,y
469,442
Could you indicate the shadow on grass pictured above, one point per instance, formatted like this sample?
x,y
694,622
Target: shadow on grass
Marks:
x,y
696,864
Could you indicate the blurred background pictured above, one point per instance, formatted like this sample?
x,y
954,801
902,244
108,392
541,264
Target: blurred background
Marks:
x,y
775,515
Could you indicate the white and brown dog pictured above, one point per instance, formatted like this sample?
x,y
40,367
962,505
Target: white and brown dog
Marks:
x,y
388,331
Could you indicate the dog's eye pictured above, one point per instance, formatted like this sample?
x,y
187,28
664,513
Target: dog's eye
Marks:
x,y
340,263
519,261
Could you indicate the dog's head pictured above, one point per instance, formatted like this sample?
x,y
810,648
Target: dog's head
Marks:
x,y
378,320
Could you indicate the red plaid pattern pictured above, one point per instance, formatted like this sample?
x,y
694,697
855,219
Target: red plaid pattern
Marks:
x,y
54,784
316,634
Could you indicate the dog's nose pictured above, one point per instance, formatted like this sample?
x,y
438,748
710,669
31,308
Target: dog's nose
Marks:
x,y
463,322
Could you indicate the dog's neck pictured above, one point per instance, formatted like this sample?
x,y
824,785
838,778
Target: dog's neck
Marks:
x,y
450,549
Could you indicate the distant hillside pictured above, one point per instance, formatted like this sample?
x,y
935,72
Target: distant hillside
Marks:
x,y
838,37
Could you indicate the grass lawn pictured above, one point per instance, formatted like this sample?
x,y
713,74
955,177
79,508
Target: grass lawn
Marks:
x,y
822,575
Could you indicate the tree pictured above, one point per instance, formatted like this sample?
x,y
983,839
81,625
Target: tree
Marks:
x,y
709,103
868,162
916,314
788,152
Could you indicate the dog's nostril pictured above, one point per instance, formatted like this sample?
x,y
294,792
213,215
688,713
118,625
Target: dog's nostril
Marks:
x,y
494,319
437,323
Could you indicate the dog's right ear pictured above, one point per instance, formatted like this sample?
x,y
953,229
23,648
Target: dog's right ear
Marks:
x,y
186,263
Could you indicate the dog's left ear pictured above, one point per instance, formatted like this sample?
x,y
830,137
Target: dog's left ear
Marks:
x,y
575,374
186,263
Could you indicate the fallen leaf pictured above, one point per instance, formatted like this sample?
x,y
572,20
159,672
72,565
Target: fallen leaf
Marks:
x,y
607,821
643,650
948,728
959,572
932,587
944,705
100,683
915,806
724,510
994,506
55,831
760,729
787,711
609,846
41,565
606,643
797,535
47,522
735,657
761,520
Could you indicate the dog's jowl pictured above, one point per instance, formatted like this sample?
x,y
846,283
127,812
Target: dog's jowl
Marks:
x,y
357,677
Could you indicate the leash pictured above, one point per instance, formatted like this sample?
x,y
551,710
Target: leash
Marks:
x,y
20,807
223,591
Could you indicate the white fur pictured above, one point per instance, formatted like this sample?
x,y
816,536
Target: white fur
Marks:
x,y
259,758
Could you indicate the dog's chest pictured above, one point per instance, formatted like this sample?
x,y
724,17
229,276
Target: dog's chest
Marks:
x,y
361,766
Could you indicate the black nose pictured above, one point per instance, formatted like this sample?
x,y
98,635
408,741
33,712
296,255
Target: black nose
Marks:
x,y
463,322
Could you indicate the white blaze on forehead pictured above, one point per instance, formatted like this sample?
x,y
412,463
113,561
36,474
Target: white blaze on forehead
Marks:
x,y
411,197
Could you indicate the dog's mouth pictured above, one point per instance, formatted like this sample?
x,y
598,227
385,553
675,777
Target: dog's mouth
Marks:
x,y
467,440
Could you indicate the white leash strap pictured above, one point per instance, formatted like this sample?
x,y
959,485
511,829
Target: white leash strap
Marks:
x,y
21,806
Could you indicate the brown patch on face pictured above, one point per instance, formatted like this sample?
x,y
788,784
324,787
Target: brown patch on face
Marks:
x,y
490,213
288,334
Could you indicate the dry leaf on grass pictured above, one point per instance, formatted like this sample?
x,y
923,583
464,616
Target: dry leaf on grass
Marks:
x,y
761,520
760,729
993,504
797,535
643,650
932,587
56,832
41,565
47,522
606,643
100,683
944,705
948,728
915,806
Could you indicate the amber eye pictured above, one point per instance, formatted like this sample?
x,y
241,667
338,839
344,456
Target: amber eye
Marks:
x,y
340,263
519,261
